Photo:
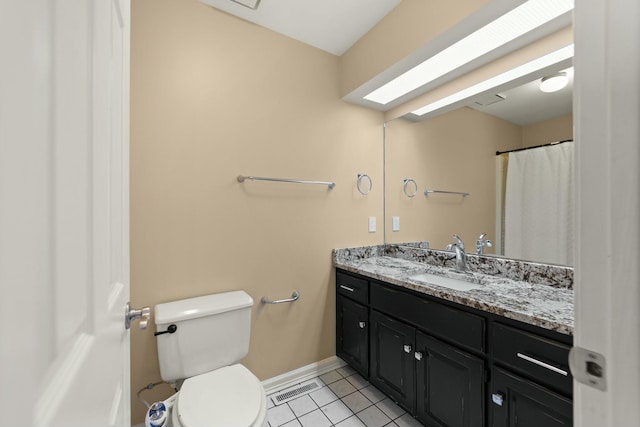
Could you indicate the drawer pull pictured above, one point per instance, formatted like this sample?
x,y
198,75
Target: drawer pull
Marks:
x,y
407,348
544,365
346,288
362,325
418,355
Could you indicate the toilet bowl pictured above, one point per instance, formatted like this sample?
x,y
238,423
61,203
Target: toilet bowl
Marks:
x,y
200,342
228,397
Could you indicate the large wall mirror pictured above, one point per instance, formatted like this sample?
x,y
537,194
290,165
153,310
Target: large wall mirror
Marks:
x,y
456,151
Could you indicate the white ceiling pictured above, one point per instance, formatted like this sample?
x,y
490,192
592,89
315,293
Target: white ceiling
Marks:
x,y
527,104
331,25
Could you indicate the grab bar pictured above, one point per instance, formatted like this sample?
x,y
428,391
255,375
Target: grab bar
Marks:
x,y
464,194
242,178
294,297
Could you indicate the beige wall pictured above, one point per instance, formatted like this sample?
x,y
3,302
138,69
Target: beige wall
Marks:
x,y
454,151
558,129
212,97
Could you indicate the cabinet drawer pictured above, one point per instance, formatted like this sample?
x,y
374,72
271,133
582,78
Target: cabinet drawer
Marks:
x,y
353,287
448,323
540,358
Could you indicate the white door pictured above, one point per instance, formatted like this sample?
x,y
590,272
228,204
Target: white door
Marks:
x,y
607,121
64,213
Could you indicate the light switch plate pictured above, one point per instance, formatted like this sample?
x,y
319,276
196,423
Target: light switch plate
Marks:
x,y
372,224
395,223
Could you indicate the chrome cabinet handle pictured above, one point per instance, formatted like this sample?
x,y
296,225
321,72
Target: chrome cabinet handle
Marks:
x,y
418,355
407,348
542,364
131,314
346,288
362,325
497,398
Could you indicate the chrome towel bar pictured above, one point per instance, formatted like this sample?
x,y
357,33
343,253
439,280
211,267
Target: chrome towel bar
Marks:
x,y
462,193
242,178
294,297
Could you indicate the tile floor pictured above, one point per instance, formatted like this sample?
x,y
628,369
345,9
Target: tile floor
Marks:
x,y
345,400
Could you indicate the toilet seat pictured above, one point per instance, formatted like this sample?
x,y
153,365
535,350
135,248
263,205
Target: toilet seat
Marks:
x,y
227,397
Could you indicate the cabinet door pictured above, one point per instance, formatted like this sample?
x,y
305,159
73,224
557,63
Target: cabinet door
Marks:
x,y
522,403
352,334
392,362
450,385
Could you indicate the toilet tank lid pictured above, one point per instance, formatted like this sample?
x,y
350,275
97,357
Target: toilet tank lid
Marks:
x,y
191,308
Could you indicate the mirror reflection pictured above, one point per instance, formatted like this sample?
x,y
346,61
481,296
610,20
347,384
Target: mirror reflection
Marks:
x,y
521,200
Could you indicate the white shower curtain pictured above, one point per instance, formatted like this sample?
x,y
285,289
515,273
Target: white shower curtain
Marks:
x,y
539,205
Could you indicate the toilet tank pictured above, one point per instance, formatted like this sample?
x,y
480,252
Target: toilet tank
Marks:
x,y
211,331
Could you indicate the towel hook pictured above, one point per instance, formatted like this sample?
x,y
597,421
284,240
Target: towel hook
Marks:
x,y
408,193
364,177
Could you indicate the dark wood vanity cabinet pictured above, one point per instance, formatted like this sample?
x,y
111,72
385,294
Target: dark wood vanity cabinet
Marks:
x,y
352,321
352,334
451,384
392,367
517,402
450,365
440,383
531,382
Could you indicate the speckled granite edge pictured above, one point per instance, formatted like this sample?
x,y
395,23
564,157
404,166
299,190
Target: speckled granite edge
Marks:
x,y
544,306
523,271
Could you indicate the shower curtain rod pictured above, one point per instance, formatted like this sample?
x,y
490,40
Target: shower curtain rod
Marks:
x,y
536,146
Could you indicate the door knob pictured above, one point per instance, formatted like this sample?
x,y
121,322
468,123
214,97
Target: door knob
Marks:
x,y
131,314
418,355
407,348
362,325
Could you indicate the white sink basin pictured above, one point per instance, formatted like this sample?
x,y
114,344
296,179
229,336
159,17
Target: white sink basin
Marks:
x,y
447,282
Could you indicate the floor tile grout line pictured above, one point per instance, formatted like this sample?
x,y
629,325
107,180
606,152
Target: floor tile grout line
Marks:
x,y
341,399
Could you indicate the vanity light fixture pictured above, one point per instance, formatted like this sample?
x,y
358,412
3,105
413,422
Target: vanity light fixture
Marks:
x,y
501,79
519,21
554,82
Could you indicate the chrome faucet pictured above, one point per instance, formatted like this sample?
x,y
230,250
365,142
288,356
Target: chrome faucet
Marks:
x,y
481,243
461,257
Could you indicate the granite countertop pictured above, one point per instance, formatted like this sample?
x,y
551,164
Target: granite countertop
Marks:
x,y
543,305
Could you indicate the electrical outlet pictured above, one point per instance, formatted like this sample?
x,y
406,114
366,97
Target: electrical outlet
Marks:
x,y
395,224
372,224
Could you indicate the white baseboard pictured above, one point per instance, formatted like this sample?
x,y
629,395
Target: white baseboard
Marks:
x,y
299,375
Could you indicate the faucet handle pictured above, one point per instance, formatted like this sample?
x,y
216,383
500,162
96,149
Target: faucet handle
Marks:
x,y
481,243
460,243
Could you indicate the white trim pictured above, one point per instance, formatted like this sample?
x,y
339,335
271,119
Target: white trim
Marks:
x,y
607,272
304,373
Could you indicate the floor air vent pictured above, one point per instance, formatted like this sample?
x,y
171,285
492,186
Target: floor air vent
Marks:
x,y
295,391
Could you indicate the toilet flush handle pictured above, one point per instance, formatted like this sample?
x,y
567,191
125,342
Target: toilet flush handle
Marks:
x,y
131,314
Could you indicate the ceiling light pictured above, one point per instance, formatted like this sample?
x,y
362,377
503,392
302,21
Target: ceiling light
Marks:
x,y
519,21
515,73
554,83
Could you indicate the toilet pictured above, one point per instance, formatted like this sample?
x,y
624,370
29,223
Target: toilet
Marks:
x,y
210,335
